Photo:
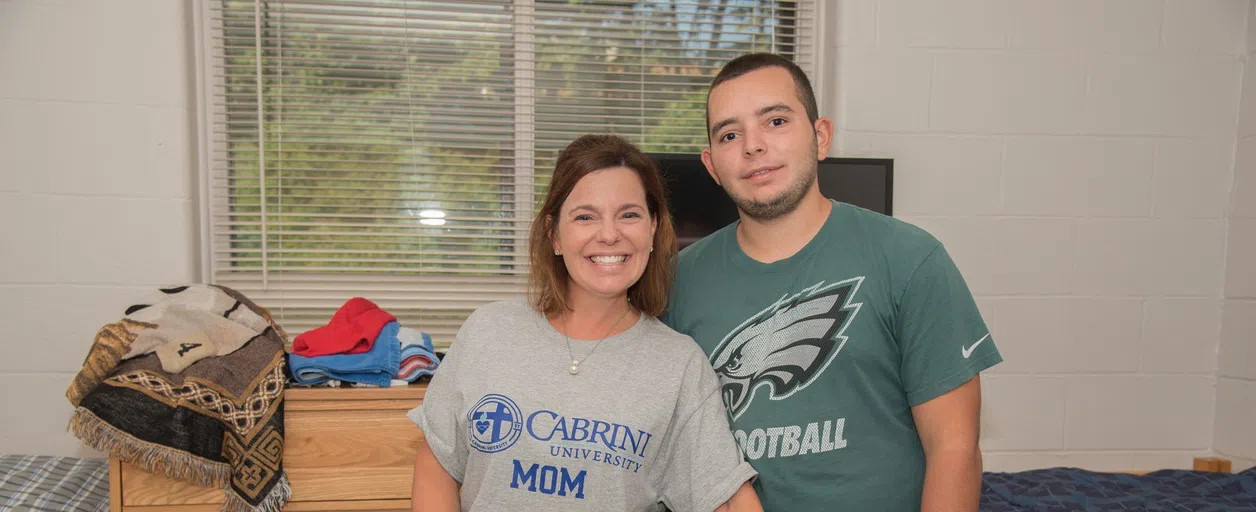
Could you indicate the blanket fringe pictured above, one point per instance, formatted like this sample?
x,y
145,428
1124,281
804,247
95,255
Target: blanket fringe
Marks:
x,y
150,457
274,501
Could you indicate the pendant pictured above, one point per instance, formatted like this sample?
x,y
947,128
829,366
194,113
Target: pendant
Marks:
x,y
575,367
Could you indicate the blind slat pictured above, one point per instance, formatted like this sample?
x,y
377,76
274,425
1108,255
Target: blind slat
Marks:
x,y
688,63
469,117
389,56
292,239
431,12
290,76
401,96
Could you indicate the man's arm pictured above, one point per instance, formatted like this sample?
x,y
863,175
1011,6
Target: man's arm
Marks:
x,y
949,426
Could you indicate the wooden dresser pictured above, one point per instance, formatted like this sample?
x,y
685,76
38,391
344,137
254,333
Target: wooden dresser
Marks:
x,y
344,449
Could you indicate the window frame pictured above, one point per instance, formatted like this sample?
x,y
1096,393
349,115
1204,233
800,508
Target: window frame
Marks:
x,y
818,38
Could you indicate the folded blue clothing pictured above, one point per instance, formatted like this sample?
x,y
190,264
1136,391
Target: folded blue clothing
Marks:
x,y
417,355
376,366
411,337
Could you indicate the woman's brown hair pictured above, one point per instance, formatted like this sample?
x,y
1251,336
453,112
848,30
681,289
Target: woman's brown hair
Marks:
x,y
547,279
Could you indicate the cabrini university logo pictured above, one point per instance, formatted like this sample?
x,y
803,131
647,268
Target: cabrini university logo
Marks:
x,y
785,346
494,424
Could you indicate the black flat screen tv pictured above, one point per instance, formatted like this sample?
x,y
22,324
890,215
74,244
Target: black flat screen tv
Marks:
x,y
700,207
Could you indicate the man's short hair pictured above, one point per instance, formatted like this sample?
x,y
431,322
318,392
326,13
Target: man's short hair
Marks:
x,y
755,61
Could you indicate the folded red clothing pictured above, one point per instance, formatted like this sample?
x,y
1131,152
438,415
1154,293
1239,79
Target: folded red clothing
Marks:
x,y
352,330
417,359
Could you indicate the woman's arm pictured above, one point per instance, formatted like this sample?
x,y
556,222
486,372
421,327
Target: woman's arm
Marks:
x,y
434,490
744,500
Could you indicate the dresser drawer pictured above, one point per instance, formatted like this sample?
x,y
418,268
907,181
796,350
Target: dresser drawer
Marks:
x,y
350,455
342,447
146,489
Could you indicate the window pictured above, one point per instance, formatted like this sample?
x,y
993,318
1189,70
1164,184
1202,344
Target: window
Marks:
x,y
396,149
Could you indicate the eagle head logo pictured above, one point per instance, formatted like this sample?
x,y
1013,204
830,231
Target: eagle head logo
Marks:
x,y
785,346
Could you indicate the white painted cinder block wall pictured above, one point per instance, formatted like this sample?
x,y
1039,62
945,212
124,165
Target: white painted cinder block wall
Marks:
x,y
96,188
1235,434
1076,162
1076,158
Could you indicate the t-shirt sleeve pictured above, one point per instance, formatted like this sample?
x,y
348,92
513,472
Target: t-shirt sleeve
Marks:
x,y
943,339
671,314
704,465
440,416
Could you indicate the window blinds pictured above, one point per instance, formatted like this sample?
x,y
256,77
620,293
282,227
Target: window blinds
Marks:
x,y
397,150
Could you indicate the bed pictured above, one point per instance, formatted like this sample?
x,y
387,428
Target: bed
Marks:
x,y
44,483
72,484
1208,488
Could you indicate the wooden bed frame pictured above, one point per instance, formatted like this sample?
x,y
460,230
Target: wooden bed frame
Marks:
x,y
1215,464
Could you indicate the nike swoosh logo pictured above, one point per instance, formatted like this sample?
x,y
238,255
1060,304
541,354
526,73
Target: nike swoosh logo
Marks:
x,y
968,351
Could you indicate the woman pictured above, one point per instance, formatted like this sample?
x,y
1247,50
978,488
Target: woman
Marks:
x,y
579,399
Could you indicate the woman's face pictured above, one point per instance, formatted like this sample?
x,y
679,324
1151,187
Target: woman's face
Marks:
x,y
605,233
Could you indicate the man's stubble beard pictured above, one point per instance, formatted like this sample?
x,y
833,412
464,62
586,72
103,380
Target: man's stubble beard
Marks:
x,y
785,202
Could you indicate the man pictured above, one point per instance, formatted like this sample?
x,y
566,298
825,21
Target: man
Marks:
x,y
847,343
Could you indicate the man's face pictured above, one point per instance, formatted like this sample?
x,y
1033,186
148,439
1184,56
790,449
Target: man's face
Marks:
x,y
763,148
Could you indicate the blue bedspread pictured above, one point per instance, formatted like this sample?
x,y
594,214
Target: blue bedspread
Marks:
x,y
1061,489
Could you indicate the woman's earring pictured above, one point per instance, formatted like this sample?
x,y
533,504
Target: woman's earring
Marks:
x,y
651,249
556,253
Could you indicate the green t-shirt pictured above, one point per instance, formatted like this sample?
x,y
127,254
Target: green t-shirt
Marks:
x,y
822,355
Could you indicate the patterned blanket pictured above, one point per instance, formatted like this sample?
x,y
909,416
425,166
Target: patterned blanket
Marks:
x,y
1071,489
218,423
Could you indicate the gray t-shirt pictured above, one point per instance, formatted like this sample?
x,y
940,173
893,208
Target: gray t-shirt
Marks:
x,y
640,426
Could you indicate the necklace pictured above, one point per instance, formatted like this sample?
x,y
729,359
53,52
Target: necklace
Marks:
x,y
575,364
